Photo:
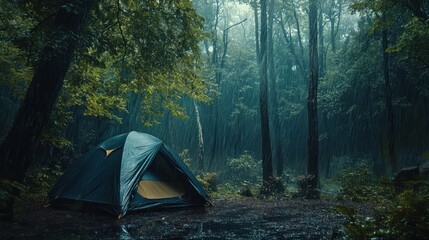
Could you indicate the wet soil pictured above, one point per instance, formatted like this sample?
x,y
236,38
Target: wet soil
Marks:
x,y
247,218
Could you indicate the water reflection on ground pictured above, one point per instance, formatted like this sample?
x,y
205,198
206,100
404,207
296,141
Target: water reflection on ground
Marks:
x,y
229,219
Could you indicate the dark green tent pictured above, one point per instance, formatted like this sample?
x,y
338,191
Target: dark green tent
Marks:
x,y
131,171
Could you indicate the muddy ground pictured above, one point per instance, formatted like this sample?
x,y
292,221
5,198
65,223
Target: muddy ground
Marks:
x,y
247,218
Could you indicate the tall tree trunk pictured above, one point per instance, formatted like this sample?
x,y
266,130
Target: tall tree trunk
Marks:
x,y
200,140
258,50
322,70
391,148
313,134
322,63
218,76
215,108
278,150
334,19
267,168
17,148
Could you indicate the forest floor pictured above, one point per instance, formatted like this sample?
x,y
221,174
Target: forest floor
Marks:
x,y
244,218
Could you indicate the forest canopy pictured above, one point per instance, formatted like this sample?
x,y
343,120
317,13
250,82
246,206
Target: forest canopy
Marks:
x,y
129,50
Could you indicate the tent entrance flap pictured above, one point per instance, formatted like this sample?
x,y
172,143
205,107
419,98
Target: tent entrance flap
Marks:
x,y
152,189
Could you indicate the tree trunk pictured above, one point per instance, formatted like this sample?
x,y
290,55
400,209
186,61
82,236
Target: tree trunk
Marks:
x,y
278,150
313,134
258,50
391,148
267,168
334,19
18,146
215,108
322,56
200,140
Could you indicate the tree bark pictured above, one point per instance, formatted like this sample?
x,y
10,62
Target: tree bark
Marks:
x,y
391,148
257,47
267,168
334,19
200,140
322,56
313,134
17,148
215,107
278,150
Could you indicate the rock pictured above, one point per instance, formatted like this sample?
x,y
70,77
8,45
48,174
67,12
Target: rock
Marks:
x,y
411,178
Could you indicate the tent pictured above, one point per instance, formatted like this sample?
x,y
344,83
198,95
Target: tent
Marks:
x,y
128,172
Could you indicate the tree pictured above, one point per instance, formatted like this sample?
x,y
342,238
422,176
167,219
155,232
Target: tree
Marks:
x,y
200,161
278,155
383,24
391,146
17,148
267,168
313,134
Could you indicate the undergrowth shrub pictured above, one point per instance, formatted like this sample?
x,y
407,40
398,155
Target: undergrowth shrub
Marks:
x,y
403,215
246,191
184,155
41,180
209,180
304,187
273,186
10,191
244,168
357,184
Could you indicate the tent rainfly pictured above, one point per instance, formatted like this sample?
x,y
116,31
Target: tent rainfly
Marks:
x,y
128,172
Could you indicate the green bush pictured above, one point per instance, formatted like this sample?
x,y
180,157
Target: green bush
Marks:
x,y
244,168
184,155
41,180
209,180
404,216
274,185
304,187
10,191
357,184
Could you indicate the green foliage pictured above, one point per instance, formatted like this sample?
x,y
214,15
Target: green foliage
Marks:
x,y
305,187
274,186
152,50
209,180
394,216
413,27
10,190
413,42
244,168
15,73
404,216
357,184
41,180
184,155
246,191
230,191
148,48
38,184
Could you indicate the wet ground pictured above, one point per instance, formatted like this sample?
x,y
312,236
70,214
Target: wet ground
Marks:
x,y
247,218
